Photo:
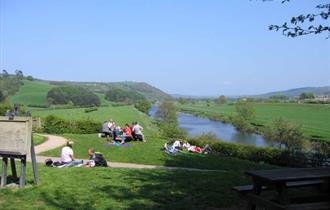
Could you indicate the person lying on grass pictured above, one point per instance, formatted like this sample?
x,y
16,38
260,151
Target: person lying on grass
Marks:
x,y
96,159
67,157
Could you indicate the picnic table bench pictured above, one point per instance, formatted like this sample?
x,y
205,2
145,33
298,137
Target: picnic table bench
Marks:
x,y
279,181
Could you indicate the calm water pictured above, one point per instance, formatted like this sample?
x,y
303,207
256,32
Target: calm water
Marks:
x,y
227,132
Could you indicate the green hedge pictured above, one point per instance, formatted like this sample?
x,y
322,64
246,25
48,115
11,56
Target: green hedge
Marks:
x,y
261,154
55,125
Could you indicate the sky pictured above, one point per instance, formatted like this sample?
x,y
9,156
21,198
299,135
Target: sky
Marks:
x,y
190,47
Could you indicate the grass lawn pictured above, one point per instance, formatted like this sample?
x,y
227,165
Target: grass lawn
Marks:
x,y
37,139
106,188
315,118
32,93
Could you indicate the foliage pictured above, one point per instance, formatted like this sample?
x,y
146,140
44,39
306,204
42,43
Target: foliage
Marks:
x,y
91,109
7,106
245,115
120,95
285,134
222,99
19,74
168,121
9,85
30,78
2,97
143,106
304,96
258,154
56,125
279,97
73,94
297,27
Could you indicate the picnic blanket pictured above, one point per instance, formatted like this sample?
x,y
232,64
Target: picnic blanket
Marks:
x,y
117,145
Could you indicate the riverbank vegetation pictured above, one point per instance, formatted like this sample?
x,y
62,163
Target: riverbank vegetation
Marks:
x,y
313,118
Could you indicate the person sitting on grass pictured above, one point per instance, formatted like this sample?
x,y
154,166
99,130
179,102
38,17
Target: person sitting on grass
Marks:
x,y
96,159
106,130
137,129
67,157
121,136
128,133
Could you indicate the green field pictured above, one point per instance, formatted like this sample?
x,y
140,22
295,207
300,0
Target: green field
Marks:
x,y
315,118
121,115
32,93
106,188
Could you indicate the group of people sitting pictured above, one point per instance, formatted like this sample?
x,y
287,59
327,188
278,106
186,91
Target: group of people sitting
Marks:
x,y
96,159
116,133
179,146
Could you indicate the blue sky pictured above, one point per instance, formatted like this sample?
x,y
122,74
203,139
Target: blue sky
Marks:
x,y
195,47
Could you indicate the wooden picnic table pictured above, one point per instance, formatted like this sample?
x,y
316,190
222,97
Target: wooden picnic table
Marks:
x,y
279,180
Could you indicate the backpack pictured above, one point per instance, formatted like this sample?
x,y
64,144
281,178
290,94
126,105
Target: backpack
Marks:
x,y
100,161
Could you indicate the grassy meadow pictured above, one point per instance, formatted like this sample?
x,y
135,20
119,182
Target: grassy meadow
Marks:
x,y
32,93
314,118
106,188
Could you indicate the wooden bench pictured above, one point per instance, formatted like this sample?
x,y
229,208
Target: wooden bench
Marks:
x,y
244,189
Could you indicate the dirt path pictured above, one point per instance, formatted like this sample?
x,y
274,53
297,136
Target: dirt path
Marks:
x,y
54,142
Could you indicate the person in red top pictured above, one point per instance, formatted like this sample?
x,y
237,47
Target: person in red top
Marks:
x,y
128,132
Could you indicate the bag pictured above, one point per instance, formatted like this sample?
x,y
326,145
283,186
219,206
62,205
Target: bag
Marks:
x,y
49,162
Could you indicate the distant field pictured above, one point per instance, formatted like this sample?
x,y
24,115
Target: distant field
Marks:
x,y
315,118
121,115
32,93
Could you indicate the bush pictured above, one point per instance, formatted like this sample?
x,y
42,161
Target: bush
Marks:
x,y
258,154
55,125
170,130
285,133
143,106
91,109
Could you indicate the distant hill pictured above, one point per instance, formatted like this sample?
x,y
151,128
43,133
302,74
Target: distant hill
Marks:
x,y
297,91
150,92
35,92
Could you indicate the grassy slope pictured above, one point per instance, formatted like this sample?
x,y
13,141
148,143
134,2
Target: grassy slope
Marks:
x,y
32,92
313,117
37,139
121,115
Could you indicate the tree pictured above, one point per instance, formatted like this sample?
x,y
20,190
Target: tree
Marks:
x,y
296,26
30,78
245,115
120,95
304,96
2,97
19,74
166,112
284,134
5,73
168,121
222,99
143,106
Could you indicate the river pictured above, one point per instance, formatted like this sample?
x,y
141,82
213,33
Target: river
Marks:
x,y
227,132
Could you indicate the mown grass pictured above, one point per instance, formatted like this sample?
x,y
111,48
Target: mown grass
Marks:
x,y
37,139
32,93
106,188
313,117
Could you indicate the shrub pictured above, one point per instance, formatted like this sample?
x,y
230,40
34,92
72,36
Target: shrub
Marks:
x,y
56,125
91,109
143,106
281,157
284,133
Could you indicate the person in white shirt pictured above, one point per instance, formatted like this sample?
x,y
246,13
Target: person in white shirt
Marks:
x,y
67,156
137,130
